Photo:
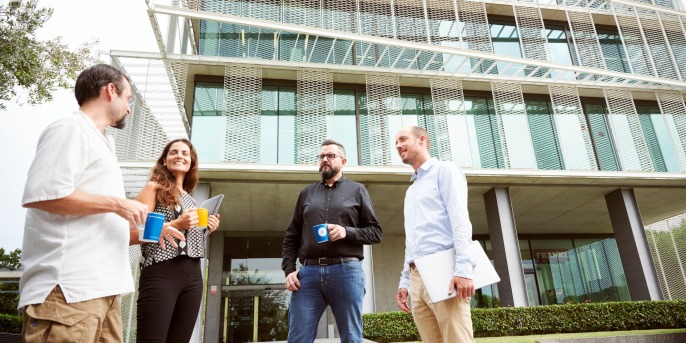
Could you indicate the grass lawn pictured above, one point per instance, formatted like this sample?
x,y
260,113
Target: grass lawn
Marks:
x,y
536,338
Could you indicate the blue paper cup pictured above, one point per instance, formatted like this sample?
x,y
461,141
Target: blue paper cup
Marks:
x,y
321,232
153,228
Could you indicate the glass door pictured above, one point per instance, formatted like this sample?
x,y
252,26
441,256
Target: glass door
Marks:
x,y
254,315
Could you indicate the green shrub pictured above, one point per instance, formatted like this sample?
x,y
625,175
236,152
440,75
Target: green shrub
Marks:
x,y
10,323
508,321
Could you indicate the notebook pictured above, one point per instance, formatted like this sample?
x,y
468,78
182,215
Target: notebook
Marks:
x,y
437,269
212,204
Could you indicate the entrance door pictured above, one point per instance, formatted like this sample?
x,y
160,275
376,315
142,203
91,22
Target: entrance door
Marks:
x,y
254,315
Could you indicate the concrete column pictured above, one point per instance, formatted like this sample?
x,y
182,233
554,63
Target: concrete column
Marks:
x,y
213,293
505,245
632,244
369,304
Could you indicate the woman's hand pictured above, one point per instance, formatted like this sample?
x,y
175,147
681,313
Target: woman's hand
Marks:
x,y
212,223
169,233
187,220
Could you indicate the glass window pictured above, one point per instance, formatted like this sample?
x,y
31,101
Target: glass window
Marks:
x,y
544,135
252,261
613,51
486,296
553,270
488,137
208,125
559,48
343,127
277,140
506,42
601,137
657,138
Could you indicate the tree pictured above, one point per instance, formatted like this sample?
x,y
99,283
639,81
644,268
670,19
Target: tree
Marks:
x,y
9,289
30,66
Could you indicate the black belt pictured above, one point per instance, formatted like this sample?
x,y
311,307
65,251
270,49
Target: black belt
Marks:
x,y
325,261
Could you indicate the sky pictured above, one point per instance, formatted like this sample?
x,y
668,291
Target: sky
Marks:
x,y
118,25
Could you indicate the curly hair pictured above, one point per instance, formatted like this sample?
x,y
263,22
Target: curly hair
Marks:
x,y
166,191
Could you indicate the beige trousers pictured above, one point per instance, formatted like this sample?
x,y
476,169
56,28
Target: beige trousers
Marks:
x,y
448,321
96,320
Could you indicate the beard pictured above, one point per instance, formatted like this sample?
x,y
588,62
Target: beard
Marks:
x,y
328,173
120,124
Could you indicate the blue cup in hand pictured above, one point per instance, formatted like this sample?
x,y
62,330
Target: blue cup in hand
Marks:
x,y
153,228
321,231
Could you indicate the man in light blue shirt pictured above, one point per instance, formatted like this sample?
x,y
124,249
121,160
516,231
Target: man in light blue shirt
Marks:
x,y
436,219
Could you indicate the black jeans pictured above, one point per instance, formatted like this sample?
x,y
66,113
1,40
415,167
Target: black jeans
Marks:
x,y
169,299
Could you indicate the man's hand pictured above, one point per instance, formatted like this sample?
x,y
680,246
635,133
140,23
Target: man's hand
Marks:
x,y
464,287
133,211
292,282
336,232
401,299
169,233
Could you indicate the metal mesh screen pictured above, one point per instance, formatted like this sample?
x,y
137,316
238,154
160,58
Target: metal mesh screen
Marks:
x,y
302,12
447,97
531,32
658,45
667,241
674,114
676,40
585,39
242,91
626,129
178,74
128,301
383,100
513,126
339,15
314,105
577,148
476,33
633,40
409,20
439,13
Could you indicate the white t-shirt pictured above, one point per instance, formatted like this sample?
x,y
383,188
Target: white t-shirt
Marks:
x,y
87,256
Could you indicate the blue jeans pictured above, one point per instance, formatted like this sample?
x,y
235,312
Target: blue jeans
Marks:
x,y
340,286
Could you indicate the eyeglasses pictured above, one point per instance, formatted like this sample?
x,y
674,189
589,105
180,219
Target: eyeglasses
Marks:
x,y
132,99
328,156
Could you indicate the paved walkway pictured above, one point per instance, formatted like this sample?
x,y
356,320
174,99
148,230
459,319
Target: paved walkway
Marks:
x,y
330,340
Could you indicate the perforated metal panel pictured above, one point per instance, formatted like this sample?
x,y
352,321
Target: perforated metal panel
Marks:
x,y
585,39
676,38
129,301
410,23
302,12
575,140
178,73
340,15
476,33
439,14
531,32
314,105
383,100
448,100
515,137
242,88
626,130
667,242
633,40
674,113
659,48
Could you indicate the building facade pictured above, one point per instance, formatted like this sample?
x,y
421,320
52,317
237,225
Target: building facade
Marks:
x,y
567,117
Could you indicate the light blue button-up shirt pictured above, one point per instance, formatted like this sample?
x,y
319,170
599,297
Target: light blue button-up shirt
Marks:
x,y
436,217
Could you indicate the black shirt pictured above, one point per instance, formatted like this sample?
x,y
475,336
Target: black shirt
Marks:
x,y
346,203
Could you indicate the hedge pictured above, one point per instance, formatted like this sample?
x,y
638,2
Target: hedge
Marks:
x,y
508,321
10,323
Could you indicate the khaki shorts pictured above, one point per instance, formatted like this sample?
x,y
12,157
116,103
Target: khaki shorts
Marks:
x,y
96,320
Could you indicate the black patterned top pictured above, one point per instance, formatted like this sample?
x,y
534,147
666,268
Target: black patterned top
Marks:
x,y
194,246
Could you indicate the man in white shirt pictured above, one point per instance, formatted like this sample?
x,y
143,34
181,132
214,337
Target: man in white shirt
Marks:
x,y
436,219
75,253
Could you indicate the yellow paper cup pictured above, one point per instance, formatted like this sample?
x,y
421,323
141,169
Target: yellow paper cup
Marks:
x,y
202,217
